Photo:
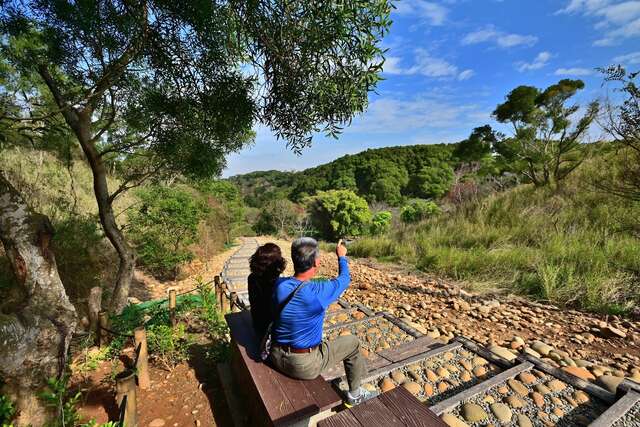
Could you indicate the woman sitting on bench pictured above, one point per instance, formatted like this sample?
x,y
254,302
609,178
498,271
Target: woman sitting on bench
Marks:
x,y
266,265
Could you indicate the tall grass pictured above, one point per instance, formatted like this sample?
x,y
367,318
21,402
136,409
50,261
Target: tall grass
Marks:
x,y
576,247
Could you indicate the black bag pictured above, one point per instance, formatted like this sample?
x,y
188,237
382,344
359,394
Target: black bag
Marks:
x,y
265,344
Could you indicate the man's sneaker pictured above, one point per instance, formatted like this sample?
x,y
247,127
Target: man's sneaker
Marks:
x,y
350,402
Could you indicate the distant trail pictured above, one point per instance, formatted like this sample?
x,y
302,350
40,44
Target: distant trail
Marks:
x,y
236,269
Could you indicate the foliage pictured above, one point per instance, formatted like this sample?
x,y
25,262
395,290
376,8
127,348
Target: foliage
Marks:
x,y
623,124
380,223
546,146
58,396
7,411
163,226
418,210
278,217
226,205
478,146
216,326
168,345
339,213
432,181
378,175
575,247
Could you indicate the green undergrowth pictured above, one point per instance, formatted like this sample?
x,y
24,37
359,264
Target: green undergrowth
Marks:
x,y
576,246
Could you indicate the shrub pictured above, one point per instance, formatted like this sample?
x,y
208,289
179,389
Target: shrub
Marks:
x,y
380,223
339,213
168,345
418,210
163,227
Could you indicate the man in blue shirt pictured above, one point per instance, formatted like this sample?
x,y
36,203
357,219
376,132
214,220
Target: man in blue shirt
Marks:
x,y
298,348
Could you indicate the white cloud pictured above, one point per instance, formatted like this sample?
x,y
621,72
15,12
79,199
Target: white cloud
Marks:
x,y
434,13
539,62
500,38
628,59
427,65
618,20
466,74
394,115
573,72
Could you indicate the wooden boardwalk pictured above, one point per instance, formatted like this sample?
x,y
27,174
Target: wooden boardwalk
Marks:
x,y
451,380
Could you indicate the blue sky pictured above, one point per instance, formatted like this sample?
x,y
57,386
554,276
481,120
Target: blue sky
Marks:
x,y
451,62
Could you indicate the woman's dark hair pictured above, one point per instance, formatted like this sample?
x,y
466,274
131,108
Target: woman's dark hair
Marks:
x,y
267,261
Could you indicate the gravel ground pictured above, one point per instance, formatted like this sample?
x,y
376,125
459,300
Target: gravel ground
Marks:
x,y
631,419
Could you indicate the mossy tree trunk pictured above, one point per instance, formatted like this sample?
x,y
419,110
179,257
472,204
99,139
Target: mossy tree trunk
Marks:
x,y
35,335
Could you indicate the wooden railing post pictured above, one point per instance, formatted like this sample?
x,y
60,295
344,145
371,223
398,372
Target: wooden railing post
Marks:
x,y
142,363
218,286
225,301
126,398
235,306
172,306
103,325
94,305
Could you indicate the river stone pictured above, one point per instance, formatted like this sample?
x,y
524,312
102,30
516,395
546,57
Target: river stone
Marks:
x,y
479,371
453,421
479,361
542,348
386,384
502,412
527,378
412,387
524,421
531,352
442,372
502,352
466,364
581,373
518,387
538,399
428,390
398,377
556,385
503,389
610,382
415,376
542,389
514,401
431,376
473,412
442,387
158,422
558,412
466,376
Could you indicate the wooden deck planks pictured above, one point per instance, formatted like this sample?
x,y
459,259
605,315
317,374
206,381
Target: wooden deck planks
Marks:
x,y
417,346
409,410
374,413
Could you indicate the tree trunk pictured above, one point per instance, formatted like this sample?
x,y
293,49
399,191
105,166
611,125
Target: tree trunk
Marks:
x,y
35,336
126,255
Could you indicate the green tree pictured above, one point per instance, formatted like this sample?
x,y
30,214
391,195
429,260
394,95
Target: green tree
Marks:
x,y
432,181
546,145
278,217
623,124
339,213
225,199
478,146
418,210
380,223
163,227
170,86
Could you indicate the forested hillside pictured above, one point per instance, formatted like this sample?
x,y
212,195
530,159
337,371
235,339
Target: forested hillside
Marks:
x,y
386,175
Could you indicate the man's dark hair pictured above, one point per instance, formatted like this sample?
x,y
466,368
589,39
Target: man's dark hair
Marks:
x,y
304,252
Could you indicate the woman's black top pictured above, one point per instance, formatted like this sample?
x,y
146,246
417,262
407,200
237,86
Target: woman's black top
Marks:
x,y
260,299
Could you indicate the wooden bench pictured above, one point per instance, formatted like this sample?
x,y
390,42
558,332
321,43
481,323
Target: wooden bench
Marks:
x,y
395,408
273,399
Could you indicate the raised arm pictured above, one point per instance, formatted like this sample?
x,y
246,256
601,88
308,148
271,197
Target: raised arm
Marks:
x,y
330,290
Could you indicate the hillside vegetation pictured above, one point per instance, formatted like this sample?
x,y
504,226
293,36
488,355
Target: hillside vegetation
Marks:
x,y
577,246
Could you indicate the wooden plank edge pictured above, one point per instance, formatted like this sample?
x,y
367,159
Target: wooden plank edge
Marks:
x,y
421,356
617,410
453,401
401,324
351,323
486,353
590,388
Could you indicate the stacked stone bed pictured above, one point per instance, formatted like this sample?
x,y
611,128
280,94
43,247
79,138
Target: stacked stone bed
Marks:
x,y
630,419
375,334
436,378
531,399
343,316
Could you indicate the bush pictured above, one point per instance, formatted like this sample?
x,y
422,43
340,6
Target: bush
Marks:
x,y
164,226
339,213
380,223
418,210
168,345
